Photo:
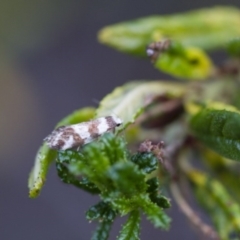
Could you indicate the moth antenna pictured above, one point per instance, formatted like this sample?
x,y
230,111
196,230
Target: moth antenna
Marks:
x,y
96,101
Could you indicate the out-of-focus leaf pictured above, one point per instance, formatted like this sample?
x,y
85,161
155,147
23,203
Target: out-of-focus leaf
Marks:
x,y
218,127
146,162
128,101
102,231
206,29
224,90
223,209
154,195
131,228
38,174
233,47
78,116
45,156
155,214
102,211
188,63
225,170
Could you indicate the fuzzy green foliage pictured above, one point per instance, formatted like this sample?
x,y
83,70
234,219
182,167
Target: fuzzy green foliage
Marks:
x,y
102,211
146,162
131,228
153,190
105,167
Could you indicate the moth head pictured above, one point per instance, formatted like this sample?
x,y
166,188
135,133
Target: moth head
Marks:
x,y
117,120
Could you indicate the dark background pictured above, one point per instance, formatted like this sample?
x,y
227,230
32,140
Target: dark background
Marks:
x,y
50,65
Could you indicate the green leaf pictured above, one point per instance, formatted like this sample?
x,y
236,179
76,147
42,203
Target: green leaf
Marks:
x,y
46,156
153,185
154,195
102,231
233,47
127,179
78,116
161,201
114,148
90,162
225,170
224,90
38,174
102,211
102,162
96,160
146,162
214,197
155,214
218,127
190,29
184,62
131,228
67,177
128,101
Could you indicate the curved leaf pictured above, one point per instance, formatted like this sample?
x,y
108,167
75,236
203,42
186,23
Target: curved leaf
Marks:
x,y
189,62
225,170
129,100
223,209
102,211
208,28
45,156
218,126
38,174
155,214
131,228
102,231
147,162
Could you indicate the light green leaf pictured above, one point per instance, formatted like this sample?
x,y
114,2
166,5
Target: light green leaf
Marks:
x,y
46,156
131,228
225,170
218,127
155,214
185,62
129,100
214,197
207,29
38,174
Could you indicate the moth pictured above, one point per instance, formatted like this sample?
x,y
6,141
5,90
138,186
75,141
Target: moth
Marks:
x,y
77,135
154,49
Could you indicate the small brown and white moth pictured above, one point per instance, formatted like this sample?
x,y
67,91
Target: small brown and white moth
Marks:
x,y
154,49
77,135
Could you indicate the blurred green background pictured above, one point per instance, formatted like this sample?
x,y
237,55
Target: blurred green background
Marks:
x,y
50,65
